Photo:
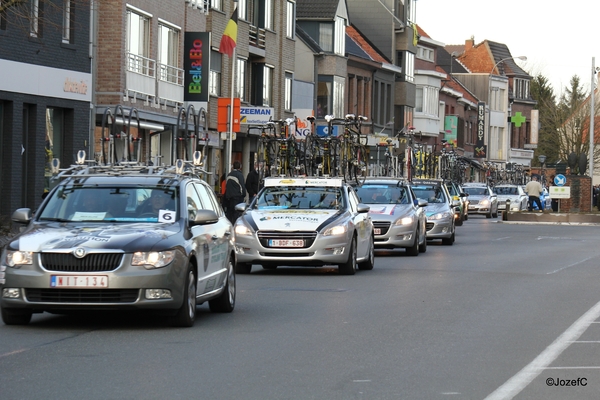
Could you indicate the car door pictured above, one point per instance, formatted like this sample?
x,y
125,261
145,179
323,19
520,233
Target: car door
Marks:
x,y
362,224
219,240
201,238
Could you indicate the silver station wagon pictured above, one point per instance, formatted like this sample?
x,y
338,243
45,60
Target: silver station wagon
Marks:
x,y
136,238
305,222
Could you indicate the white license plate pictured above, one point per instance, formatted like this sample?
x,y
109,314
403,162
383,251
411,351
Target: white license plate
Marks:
x,y
79,281
377,231
286,243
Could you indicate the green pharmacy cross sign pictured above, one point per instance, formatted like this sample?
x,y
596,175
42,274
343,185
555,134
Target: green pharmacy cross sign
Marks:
x,y
518,119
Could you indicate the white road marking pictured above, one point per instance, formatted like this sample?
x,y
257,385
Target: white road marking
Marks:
x,y
569,266
524,377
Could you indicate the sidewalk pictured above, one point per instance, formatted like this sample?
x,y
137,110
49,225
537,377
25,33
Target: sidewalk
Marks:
x,y
552,217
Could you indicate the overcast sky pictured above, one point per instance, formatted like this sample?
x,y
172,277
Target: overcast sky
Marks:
x,y
559,39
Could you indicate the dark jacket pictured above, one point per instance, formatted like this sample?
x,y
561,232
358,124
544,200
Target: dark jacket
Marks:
x,y
252,183
235,189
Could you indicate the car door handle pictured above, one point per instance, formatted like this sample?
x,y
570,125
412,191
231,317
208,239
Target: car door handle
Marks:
x,y
227,233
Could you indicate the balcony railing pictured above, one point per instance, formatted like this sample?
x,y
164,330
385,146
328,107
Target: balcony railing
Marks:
x,y
153,80
257,37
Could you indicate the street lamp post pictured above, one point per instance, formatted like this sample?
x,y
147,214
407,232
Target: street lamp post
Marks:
x,y
542,160
522,58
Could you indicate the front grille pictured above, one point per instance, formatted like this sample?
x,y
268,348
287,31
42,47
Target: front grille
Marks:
x,y
308,237
384,226
429,226
96,296
95,262
472,202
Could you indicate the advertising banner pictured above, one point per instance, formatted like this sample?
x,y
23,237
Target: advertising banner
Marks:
x,y
480,147
196,66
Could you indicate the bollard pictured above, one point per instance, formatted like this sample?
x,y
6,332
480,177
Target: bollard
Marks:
x,y
506,210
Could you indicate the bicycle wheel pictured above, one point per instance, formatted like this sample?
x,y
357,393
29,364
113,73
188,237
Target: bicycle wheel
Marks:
x,y
359,165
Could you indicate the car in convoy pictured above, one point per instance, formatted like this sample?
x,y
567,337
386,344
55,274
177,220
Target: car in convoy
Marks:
x,y
460,201
482,200
128,237
512,193
308,222
399,219
439,210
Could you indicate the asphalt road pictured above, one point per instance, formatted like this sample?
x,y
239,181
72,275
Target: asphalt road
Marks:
x,y
508,311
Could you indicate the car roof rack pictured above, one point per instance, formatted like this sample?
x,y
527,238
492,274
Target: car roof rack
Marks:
x,y
91,168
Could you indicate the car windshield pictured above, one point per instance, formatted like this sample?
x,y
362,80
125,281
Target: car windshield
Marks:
x,y
300,198
476,191
432,194
506,190
111,204
382,194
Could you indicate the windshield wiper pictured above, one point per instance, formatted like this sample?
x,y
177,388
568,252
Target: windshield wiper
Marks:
x,y
54,219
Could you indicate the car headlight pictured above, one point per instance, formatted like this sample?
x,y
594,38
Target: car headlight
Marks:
x,y
16,258
404,221
335,230
242,229
484,202
155,259
438,216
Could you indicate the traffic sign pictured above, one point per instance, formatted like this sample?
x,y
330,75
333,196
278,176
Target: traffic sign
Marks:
x,y
560,180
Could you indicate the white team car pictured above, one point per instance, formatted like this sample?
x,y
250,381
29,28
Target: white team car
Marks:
x,y
305,222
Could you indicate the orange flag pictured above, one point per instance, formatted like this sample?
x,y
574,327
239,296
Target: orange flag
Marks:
x,y
229,38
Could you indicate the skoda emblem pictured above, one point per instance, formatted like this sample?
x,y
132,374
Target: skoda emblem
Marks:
x,y
79,252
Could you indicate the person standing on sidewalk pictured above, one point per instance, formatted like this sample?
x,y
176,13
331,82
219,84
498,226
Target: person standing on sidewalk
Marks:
x,y
235,191
533,190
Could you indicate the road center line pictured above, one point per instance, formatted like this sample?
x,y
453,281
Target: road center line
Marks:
x,y
524,377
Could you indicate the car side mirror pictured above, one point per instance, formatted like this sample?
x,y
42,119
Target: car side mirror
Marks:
x,y
22,216
205,217
363,208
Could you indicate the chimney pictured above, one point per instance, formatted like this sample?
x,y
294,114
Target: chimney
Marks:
x,y
469,44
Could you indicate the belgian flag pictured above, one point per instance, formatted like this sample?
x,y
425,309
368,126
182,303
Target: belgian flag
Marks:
x,y
229,38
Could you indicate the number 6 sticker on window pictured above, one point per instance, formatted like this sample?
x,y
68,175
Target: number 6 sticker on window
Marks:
x,y
166,216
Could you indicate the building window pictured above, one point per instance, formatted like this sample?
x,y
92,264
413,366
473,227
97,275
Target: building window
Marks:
x,y
409,67
216,4
268,14
326,36
291,19
68,13
339,84
324,95
425,53
241,72
214,82
521,88
340,36
243,9
54,140
382,96
138,43
427,100
35,19
267,86
168,54
289,78
2,17
411,11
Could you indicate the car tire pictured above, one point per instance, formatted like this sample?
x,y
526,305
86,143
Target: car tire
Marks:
x,y
466,216
243,268
370,262
186,315
349,267
423,246
15,316
489,215
459,221
225,303
414,249
448,241
495,215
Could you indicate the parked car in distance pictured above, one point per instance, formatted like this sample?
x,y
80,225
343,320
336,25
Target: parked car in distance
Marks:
x,y
306,222
513,193
399,218
482,200
439,210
